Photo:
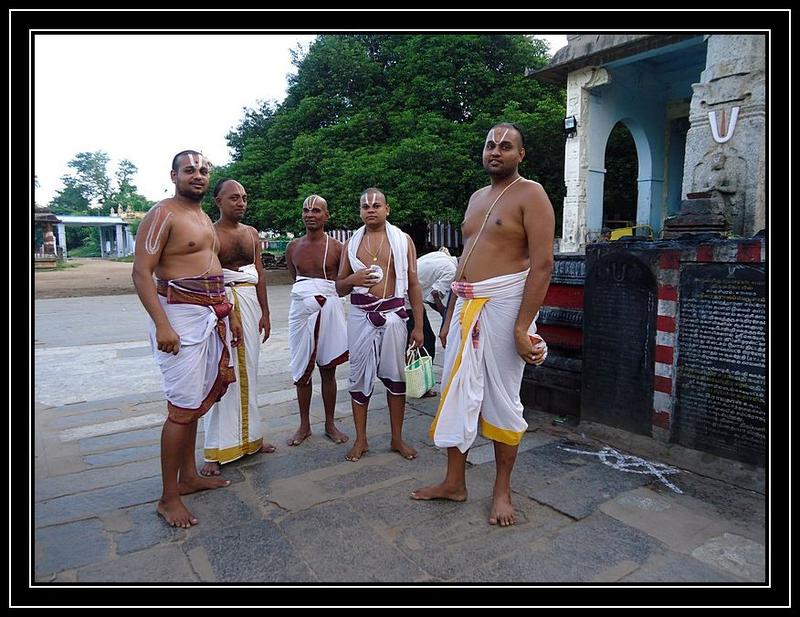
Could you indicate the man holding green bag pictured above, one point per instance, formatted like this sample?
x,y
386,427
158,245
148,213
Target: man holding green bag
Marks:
x,y
435,271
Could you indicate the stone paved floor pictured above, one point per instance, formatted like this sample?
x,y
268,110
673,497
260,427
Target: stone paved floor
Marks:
x,y
305,515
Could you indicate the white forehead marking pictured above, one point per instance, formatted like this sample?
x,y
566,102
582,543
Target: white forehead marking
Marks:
x,y
201,160
492,136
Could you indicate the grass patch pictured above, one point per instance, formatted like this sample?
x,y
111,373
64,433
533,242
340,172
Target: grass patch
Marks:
x,y
65,265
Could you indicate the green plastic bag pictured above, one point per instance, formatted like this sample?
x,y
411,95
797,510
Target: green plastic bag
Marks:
x,y
419,373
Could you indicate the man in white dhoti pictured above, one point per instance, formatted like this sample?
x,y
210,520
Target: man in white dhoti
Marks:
x,y
379,268
489,331
317,327
233,426
189,329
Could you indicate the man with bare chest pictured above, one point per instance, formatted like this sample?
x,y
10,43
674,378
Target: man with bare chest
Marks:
x,y
379,267
190,328
317,328
489,332
233,425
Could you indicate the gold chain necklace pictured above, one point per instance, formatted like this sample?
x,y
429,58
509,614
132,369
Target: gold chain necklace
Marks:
x,y
368,248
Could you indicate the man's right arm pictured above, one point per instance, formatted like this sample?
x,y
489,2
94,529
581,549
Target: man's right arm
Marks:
x,y
153,234
290,259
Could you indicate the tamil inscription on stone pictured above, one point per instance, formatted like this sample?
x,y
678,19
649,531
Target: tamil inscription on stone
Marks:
x,y
721,361
618,341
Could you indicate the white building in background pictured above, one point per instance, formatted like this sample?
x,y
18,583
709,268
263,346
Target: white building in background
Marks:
x,y
116,239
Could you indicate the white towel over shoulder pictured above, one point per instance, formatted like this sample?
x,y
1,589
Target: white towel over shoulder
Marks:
x,y
399,243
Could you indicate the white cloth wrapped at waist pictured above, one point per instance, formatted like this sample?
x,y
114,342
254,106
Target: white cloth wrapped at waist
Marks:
x,y
482,369
317,332
245,274
233,425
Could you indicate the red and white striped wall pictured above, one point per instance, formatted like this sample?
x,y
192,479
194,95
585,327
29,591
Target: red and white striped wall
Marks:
x,y
744,251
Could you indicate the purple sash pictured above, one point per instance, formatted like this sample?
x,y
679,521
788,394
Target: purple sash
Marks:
x,y
375,308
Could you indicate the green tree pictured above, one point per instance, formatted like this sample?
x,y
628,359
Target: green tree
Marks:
x,y
90,190
407,113
70,199
91,175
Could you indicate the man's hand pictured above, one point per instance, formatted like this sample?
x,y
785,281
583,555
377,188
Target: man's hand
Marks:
x,y
264,327
539,349
417,339
443,331
168,340
530,348
364,278
236,330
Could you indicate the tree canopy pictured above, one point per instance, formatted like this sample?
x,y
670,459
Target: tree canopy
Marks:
x,y
406,113
90,190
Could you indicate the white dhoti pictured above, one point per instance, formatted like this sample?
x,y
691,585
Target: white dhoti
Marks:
x,y
233,425
199,374
376,327
317,328
376,336
482,369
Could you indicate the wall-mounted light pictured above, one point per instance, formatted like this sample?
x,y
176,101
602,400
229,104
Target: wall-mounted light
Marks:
x,y
570,126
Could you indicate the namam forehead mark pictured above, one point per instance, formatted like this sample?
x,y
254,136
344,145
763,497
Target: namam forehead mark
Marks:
x,y
152,242
370,198
199,161
497,134
315,202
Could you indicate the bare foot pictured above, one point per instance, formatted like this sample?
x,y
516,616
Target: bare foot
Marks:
x,y
430,393
267,448
335,435
407,452
192,485
356,452
440,491
175,513
211,468
299,437
502,511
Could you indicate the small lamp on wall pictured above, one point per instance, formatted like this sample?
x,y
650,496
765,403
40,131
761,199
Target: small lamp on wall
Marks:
x,y
570,126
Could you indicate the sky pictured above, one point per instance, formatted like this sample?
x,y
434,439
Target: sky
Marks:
x,y
117,93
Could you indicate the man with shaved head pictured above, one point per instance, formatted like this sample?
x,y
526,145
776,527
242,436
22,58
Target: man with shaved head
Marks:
x,y
489,332
317,328
233,425
189,330
378,269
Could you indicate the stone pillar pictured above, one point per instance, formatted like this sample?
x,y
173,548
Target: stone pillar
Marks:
x,y
120,244
130,245
576,156
62,239
725,145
